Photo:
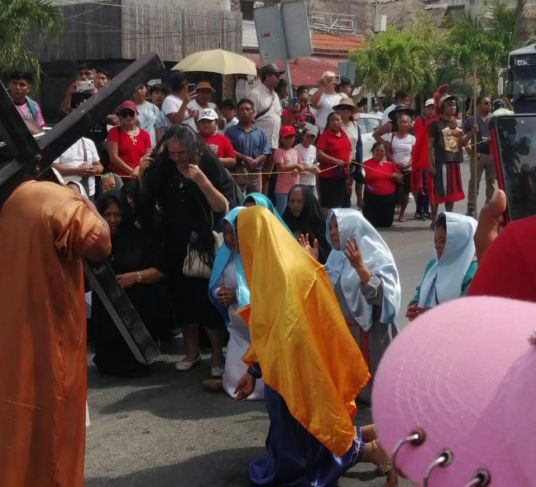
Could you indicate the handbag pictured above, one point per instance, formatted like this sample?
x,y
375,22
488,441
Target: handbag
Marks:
x,y
193,265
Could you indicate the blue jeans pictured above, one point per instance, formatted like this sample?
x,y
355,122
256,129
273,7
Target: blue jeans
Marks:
x,y
281,200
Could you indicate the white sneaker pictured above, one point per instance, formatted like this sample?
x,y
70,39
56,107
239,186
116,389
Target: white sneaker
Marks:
x,y
216,372
184,365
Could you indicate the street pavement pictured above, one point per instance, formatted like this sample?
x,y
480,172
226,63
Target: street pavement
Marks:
x,y
163,430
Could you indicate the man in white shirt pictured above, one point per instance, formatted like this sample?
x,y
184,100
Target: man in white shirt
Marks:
x,y
175,106
401,98
80,163
203,91
325,98
268,113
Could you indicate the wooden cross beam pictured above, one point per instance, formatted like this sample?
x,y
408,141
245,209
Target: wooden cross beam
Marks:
x,y
24,157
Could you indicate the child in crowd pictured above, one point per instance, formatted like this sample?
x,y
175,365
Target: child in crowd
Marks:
x,y
218,143
307,152
289,166
228,110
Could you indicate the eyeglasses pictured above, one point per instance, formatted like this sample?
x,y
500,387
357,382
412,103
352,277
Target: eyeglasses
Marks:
x,y
127,114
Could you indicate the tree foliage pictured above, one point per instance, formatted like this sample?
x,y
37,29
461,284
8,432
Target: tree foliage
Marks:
x,y
399,59
23,24
421,55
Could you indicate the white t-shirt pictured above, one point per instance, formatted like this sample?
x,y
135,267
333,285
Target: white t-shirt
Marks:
x,y
266,102
193,111
401,149
351,132
147,117
231,123
74,156
308,156
325,107
172,104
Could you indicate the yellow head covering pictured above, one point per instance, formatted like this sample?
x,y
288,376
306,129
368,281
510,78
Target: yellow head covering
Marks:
x,y
298,333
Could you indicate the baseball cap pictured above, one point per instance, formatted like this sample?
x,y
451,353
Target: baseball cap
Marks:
x,y
270,69
460,378
429,102
446,97
204,85
207,114
127,105
287,131
309,128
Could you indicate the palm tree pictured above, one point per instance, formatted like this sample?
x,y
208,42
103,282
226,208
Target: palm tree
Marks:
x,y
485,39
23,23
398,58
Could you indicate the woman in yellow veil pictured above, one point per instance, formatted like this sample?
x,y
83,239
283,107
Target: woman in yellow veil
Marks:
x,y
310,364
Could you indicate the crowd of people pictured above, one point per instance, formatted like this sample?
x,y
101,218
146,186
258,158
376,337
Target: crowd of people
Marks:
x,y
210,209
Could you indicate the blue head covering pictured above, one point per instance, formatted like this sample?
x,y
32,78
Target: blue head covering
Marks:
x,y
263,200
444,278
378,259
223,257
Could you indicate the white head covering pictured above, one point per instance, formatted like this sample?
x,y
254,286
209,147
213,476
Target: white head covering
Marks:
x,y
378,259
444,279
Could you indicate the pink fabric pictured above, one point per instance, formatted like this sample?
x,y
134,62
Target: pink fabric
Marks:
x,y
283,159
464,373
25,113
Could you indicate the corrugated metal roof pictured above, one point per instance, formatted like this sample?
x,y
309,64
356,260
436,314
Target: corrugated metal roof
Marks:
x,y
305,71
336,43
322,43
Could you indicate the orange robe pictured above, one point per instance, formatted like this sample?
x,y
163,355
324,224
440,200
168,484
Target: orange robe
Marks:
x,y
298,333
44,230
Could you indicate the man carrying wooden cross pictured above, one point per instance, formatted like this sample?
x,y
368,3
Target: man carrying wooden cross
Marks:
x,y
45,232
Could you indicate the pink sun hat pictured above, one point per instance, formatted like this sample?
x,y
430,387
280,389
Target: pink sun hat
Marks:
x,y
454,397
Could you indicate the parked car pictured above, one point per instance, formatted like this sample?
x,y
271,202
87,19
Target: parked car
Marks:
x,y
368,123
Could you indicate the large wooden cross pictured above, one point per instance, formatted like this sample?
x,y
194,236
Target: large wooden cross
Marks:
x,y
23,157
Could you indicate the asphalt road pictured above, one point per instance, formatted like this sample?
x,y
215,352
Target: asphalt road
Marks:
x,y
163,430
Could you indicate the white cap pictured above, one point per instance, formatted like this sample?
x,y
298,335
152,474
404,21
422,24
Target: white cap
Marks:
x,y
429,102
328,74
207,114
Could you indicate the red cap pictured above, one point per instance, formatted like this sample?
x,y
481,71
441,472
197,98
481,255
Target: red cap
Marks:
x,y
287,131
128,105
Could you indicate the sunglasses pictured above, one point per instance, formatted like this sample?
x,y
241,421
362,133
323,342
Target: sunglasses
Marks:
x,y
127,114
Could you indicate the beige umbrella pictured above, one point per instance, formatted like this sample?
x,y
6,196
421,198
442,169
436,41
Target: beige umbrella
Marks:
x,y
217,61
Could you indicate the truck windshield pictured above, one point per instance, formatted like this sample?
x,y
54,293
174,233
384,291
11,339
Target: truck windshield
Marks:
x,y
523,81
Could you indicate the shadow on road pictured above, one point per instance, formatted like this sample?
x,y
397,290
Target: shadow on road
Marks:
x,y
226,468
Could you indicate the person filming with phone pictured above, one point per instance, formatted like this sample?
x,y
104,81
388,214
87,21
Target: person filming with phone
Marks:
x,y
175,105
325,98
82,88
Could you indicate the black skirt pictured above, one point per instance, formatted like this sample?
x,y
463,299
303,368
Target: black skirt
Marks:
x,y
192,304
333,193
379,210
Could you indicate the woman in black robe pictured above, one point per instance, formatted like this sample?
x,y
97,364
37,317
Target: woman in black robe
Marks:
x,y
303,215
139,267
184,194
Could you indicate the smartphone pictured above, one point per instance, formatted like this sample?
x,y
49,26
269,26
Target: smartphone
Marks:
x,y
514,139
85,85
191,87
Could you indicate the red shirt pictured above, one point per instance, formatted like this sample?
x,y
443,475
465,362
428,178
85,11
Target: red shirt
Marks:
x,y
508,268
337,146
379,177
129,149
220,145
